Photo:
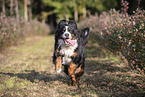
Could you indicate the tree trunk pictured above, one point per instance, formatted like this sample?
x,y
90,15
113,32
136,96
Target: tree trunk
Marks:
x,y
17,10
25,10
84,9
3,7
11,7
66,17
76,11
30,9
138,4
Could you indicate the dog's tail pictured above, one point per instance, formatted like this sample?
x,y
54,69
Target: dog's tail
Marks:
x,y
85,34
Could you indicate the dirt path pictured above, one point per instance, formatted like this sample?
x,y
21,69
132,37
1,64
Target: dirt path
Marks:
x,y
27,71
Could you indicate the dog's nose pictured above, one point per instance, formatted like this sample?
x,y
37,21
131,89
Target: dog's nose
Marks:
x,y
67,35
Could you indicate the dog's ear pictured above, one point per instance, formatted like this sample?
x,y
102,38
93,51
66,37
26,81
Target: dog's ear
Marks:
x,y
74,28
62,22
72,24
85,34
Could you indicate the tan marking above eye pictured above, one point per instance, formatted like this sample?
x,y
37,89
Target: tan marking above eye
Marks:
x,y
63,29
68,29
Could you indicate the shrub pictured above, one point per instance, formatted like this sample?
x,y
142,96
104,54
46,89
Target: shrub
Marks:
x,y
121,34
34,27
9,31
12,30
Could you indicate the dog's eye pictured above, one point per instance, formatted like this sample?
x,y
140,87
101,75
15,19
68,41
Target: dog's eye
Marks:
x,y
63,29
68,29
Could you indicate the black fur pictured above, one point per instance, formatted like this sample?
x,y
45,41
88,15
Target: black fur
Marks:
x,y
60,26
81,40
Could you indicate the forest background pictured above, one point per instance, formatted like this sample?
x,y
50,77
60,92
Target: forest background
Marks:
x,y
52,11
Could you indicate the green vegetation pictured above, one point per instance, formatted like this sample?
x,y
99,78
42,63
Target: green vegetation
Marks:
x,y
67,9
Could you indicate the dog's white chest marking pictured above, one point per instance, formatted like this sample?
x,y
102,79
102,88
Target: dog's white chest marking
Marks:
x,y
67,51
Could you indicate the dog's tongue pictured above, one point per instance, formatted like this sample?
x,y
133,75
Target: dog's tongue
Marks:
x,y
69,41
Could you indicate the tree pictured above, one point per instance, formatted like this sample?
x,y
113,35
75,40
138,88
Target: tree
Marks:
x,y
63,8
84,9
16,9
100,5
30,9
3,7
75,11
11,7
25,11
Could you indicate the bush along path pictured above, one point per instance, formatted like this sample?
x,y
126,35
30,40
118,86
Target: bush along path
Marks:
x,y
26,70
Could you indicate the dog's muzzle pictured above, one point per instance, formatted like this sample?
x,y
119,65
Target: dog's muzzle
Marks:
x,y
66,35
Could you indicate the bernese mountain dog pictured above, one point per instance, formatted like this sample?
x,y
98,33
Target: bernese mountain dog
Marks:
x,y
69,49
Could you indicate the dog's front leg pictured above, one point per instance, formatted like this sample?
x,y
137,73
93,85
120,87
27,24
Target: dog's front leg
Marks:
x,y
71,72
58,65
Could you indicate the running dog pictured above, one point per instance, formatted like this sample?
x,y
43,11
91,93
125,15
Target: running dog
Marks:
x,y
70,50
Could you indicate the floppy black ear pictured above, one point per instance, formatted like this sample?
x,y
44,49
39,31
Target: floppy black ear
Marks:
x,y
74,28
62,22
85,34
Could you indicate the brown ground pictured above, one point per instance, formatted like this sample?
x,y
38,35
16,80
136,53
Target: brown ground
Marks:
x,y
26,70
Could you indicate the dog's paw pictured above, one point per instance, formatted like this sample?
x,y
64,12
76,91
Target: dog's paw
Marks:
x,y
58,71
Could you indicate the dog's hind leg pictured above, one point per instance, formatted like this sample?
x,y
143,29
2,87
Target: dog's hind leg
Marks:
x,y
79,72
71,73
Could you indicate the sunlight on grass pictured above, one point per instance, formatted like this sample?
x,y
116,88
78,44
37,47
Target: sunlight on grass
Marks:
x,y
10,83
28,71
33,55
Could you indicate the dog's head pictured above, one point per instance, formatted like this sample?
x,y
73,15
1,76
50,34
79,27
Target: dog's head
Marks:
x,y
67,30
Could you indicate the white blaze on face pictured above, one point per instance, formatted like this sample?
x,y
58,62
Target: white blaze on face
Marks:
x,y
66,33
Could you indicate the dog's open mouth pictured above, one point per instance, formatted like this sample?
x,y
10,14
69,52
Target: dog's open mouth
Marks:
x,y
70,42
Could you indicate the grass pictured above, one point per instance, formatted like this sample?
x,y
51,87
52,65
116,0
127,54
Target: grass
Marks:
x,y
27,70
